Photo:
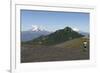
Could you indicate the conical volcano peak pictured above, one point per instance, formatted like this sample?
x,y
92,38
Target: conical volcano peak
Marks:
x,y
35,28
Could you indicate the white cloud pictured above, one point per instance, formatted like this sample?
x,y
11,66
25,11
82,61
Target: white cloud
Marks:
x,y
75,29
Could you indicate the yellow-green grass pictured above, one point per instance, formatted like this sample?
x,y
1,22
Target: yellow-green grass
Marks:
x,y
75,43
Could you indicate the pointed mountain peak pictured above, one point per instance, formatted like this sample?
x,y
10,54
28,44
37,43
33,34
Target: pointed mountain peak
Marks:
x,y
35,28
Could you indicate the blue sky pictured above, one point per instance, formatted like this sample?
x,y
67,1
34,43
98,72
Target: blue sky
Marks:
x,y
52,21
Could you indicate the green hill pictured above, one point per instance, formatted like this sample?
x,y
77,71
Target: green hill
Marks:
x,y
56,37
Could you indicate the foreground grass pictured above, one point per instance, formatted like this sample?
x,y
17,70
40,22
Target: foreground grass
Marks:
x,y
70,50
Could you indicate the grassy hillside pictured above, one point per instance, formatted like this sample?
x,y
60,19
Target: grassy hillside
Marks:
x,y
70,50
75,43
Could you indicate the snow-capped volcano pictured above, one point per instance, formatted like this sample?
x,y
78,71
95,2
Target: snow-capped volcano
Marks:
x,y
35,28
33,33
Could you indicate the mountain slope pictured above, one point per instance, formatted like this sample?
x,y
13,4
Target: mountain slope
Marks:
x,y
75,43
58,36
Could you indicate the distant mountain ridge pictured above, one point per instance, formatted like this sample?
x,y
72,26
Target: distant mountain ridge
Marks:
x,y
30,35
56,37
